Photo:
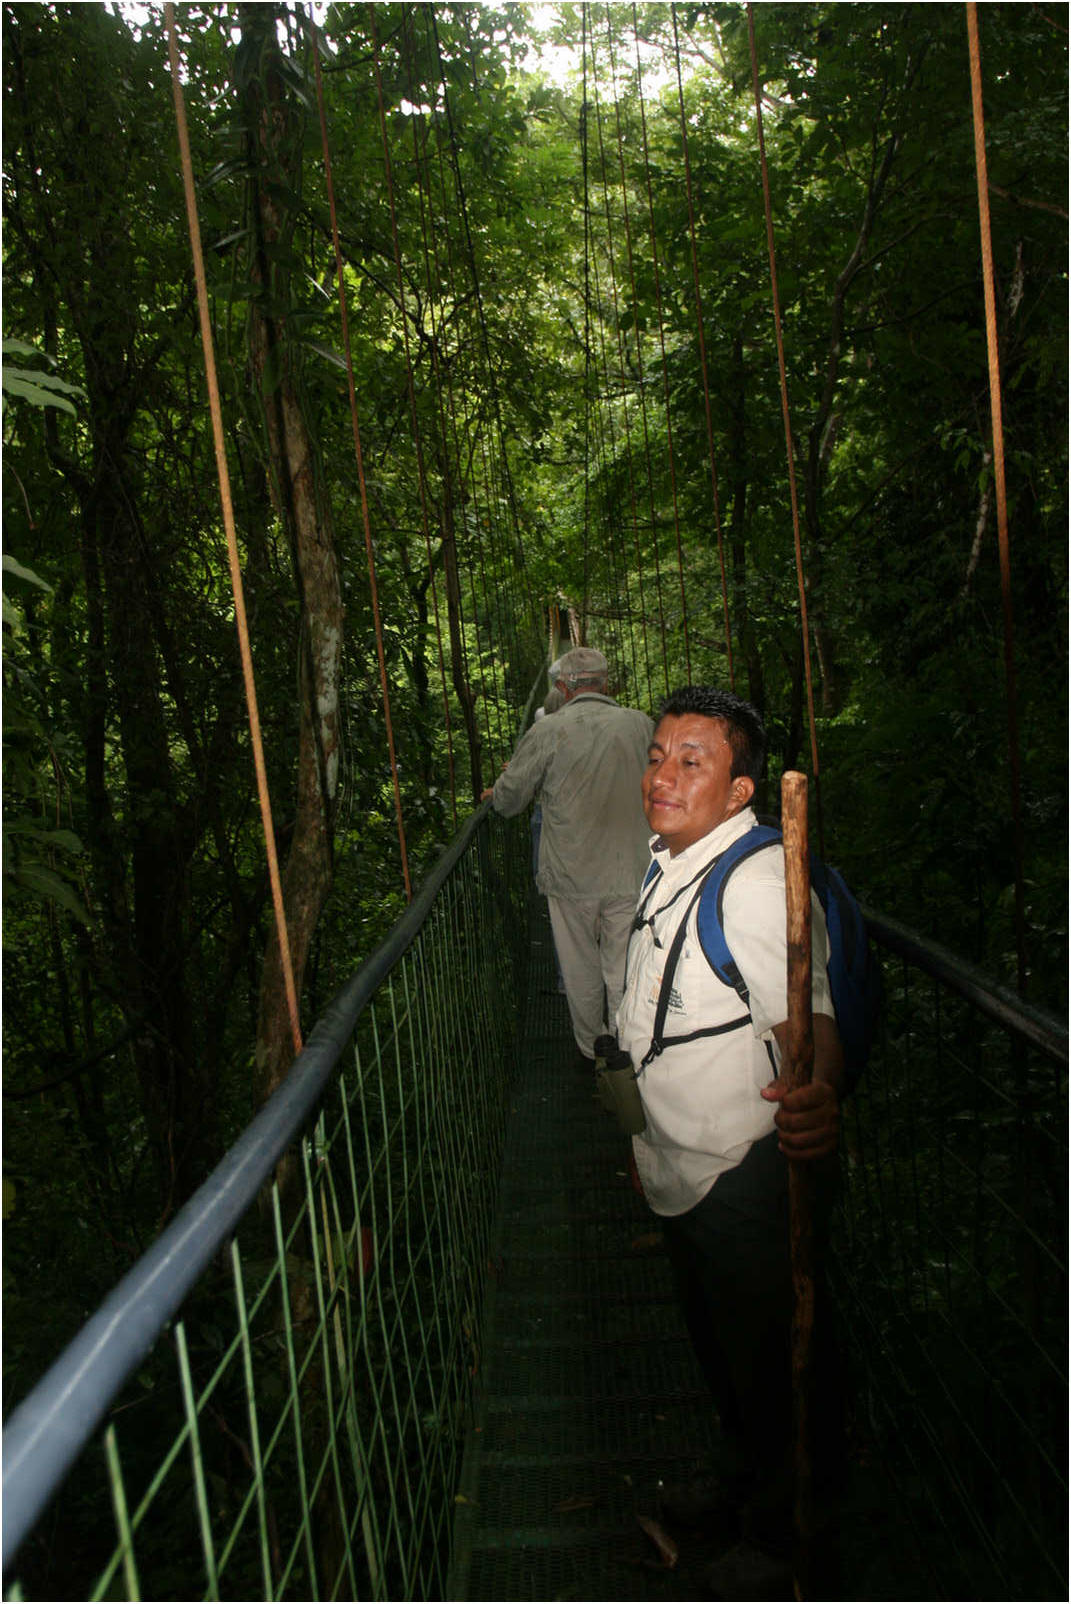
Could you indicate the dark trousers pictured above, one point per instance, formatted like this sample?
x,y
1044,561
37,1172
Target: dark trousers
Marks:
x,y
731,1265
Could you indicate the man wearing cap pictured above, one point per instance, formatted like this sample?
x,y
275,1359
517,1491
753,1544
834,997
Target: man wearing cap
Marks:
x,y
585,764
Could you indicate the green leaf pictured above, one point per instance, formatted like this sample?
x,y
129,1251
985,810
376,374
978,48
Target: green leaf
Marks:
x,y
17,571
41,884
34,394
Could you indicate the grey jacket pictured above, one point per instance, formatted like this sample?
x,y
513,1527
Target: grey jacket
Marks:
x,y
585,763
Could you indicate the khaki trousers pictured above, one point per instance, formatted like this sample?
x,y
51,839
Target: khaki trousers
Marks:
x,y
590,937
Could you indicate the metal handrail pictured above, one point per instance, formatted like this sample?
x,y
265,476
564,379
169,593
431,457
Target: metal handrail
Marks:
x,y
49,1429
1036,1025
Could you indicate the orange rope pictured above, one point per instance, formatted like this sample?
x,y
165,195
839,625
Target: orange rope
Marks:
x,y
703,356
370,554
228,524
998,474
804,626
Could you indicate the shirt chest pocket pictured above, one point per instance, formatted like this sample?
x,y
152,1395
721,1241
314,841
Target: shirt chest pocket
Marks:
x,y
698,995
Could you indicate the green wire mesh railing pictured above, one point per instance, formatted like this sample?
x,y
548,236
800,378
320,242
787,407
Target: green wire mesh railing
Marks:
x,y
301,1433
950,1270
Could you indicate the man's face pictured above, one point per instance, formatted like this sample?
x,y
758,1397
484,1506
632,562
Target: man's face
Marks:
x,y
687,788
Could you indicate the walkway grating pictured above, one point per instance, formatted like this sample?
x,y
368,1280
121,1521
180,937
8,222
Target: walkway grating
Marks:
x,y
590,1392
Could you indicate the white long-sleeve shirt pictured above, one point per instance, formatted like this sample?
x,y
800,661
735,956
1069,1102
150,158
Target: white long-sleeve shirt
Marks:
x,y
701,1098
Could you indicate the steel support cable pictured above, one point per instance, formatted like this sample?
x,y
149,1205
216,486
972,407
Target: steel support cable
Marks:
x,y
639,349
619,580
703,355
492,596
484,339
789,449
588,399
474,433
607,448
996,414
451,438
222,471
624,393
481,317
593,411
365,518
616,577
506,618
447,434
421,174
670,455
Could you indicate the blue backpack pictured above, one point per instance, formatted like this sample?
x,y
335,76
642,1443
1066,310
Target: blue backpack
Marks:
x,y
854,975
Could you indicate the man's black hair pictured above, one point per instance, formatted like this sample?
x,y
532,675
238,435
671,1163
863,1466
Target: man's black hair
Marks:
x,y
743,726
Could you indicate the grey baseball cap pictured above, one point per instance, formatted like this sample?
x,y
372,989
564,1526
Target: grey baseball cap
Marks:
x,y
583,665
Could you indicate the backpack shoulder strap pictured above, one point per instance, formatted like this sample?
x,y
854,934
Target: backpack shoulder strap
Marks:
x,y
714,875
711,922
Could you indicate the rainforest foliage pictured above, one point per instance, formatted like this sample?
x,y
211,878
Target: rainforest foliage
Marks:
x,y
554,279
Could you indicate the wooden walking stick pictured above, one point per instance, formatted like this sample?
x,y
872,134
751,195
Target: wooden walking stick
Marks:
x,y
796,1069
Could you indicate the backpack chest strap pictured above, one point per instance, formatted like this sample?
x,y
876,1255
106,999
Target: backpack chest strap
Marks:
x,y
660,1042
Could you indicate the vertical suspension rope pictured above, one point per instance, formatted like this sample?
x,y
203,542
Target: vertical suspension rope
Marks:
x,y
703,356
223,473
639,348
366,520
800,584
617,564
421,172
587,309
623,381
662,345
511,498
996,415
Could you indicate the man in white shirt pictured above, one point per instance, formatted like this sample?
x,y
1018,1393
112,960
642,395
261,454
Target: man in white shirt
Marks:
x,y
719,1124
585,765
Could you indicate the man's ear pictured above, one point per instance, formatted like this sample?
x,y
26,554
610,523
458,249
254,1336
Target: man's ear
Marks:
x,y
740,792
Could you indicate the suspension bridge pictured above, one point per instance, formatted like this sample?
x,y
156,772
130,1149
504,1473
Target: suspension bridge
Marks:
x,y
415,1337
439,1357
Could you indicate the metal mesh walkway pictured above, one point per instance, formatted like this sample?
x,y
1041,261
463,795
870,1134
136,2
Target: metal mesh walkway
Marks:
x,y
590,1391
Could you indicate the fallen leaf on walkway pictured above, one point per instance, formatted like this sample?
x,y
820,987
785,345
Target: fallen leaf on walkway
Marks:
x,y
647,1243
568,1505
664,1543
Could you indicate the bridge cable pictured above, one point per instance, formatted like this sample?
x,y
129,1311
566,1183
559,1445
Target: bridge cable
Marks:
x,y
511,499
589,398
996,416
662,342
703,355
240,618
640,383
618,578
624,390
499,431
365,518
422,175
789,449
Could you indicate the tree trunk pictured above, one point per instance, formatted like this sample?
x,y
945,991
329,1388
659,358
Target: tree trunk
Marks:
x,y
274,136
